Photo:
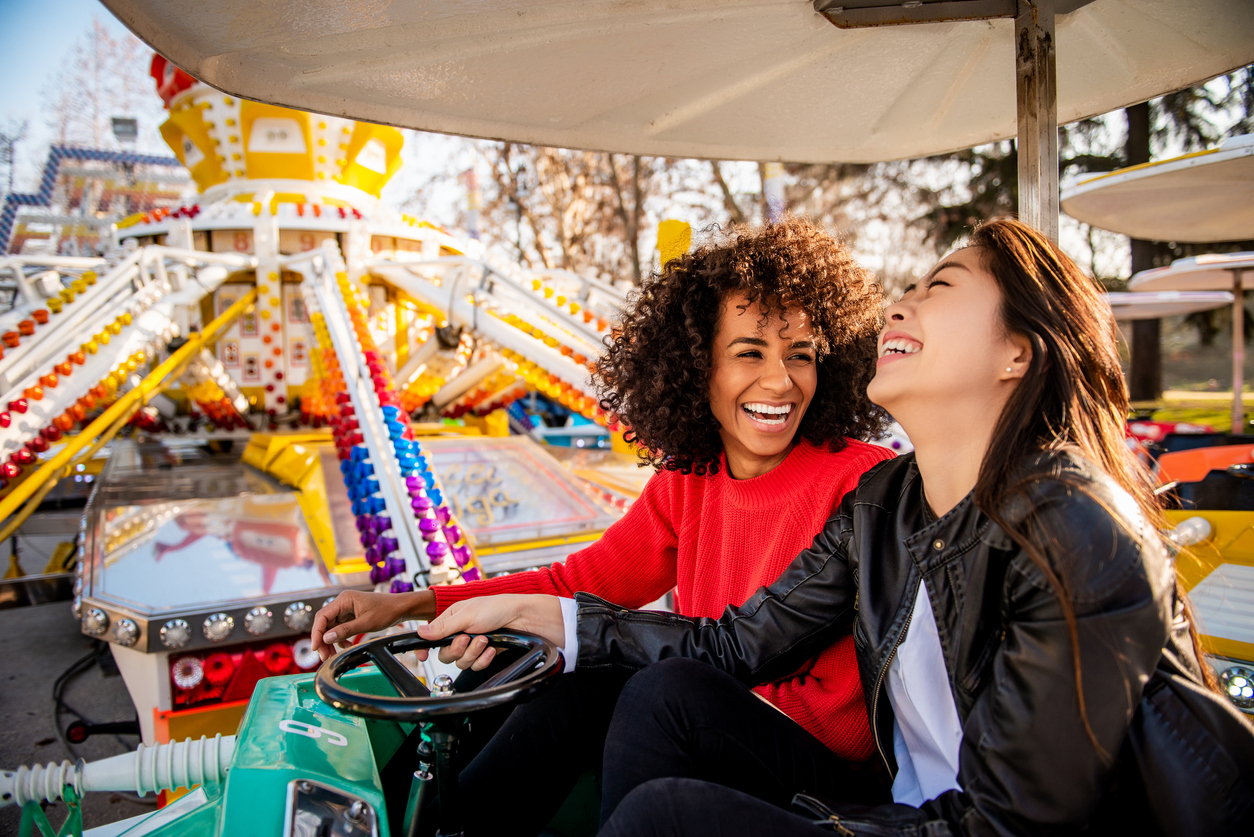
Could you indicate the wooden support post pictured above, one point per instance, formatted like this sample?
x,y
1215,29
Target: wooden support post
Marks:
x,y
1036,86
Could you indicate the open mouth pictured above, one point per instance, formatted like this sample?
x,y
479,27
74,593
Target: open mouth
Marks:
x,y
900,347
767,413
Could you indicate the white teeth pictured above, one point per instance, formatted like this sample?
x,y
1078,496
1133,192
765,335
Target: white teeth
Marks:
x,y
904,347
767,413
783,409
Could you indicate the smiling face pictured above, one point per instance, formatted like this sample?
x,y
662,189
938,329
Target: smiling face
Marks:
x,y
762,378
944,346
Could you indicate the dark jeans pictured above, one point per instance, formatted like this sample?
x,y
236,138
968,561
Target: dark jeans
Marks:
x,y
688,807
521,776
681,719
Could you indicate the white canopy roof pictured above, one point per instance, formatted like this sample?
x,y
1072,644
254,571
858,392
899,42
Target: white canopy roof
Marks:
x,y
1207,196
730,79
1151,306
1198,273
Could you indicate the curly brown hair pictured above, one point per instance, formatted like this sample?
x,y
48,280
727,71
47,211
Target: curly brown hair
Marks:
x,y
655,375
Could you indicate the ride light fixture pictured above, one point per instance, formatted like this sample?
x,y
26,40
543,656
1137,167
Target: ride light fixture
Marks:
x,y
1238,684
126,632
96,622
298,616
258,620
218,626
176,633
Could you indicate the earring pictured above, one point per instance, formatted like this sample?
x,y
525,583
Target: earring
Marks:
x,y
1010,369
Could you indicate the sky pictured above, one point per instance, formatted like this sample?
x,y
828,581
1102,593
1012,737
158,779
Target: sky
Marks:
x,y
36,40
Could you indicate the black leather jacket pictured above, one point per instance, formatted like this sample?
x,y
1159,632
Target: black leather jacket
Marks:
x,y
1026,763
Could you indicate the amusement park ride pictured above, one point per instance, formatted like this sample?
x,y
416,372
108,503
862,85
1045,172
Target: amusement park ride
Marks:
x,y
287,294
285,312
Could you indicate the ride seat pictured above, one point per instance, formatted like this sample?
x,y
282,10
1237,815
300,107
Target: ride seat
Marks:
x,y
1219,490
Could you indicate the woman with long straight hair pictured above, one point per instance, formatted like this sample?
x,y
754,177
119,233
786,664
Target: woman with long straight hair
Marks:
x,y
1028,661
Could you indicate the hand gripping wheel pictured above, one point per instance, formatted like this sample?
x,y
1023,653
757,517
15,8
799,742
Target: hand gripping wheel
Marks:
x,y
540,660
441,712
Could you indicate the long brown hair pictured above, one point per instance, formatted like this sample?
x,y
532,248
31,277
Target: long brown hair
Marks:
x,y
1072,395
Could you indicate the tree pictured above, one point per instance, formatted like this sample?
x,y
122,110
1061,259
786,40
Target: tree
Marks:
x,y
9,138
104,77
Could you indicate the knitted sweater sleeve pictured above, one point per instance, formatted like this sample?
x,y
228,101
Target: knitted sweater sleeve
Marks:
x,y
633,563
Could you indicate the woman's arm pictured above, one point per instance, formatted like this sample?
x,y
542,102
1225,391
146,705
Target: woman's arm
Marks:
x,y
632,563
768,637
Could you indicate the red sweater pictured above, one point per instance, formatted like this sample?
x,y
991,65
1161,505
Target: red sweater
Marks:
x,y
716,540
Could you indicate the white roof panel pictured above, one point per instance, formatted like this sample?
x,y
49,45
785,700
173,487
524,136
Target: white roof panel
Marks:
x,y
733,79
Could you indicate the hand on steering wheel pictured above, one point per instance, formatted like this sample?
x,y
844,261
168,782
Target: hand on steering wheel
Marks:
x,y
540,660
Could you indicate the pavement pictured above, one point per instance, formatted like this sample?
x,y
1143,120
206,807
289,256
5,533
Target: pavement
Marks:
x,y
37,644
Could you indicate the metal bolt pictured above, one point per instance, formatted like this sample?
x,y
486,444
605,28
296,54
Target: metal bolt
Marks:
x,y
357,811
443,684
304,787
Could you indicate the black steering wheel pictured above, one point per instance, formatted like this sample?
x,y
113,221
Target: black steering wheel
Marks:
x,y
539,660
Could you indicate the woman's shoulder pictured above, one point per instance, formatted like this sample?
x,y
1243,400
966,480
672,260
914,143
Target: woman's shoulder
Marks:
x,y
1064,482
1093,531
853,455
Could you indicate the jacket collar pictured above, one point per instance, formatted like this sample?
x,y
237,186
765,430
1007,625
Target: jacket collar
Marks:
x,y
940,541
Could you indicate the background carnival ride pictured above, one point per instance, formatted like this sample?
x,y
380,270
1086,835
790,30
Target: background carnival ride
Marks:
x,y
287,299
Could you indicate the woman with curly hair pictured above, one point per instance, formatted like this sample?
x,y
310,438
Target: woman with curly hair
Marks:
x,y
742,371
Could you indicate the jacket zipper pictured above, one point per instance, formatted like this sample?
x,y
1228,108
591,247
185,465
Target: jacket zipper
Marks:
x,y
875,703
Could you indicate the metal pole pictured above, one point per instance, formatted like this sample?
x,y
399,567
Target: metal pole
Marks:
x,y
1238,353
1036,87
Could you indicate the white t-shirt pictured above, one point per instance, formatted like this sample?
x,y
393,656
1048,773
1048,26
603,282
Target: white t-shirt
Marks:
x,y
926,730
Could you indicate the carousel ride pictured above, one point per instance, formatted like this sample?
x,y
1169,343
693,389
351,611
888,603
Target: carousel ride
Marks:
x,y
319,393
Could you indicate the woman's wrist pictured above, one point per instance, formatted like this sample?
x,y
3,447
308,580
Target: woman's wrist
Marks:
x,y
420,604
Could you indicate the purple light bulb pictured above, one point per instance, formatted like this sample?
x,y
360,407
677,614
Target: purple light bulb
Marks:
x,y
453,533
428,526
443,514
436,550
